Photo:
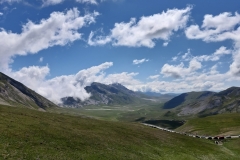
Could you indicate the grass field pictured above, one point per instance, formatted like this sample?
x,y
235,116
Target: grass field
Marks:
x,y
129,113
29,134
222,124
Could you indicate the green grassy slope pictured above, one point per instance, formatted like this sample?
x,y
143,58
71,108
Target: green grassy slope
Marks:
x,y
29,134
222,124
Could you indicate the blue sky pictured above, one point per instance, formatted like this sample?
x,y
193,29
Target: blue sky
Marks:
x,y
61,46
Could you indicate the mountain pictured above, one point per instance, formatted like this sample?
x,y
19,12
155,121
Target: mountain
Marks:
x,y
206,102
14,93
227,101
112,94
187,98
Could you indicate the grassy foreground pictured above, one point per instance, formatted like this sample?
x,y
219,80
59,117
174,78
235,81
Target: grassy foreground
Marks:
x,y
29,134
222,124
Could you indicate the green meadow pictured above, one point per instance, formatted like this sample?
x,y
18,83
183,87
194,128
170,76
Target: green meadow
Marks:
x,y
30,134
222,124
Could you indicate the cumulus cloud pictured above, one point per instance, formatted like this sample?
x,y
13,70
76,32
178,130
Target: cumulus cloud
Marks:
x,y
177,87
51,2
204,58
216,55
60,29
32,76
222,50
87,1
235,66
145,31
216,28
123,78
179,71
140,61
219,28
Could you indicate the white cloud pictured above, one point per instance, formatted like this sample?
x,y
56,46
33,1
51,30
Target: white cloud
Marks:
x,y
216,55
219,28
1,13
140,61
179,71
145,31
32,76
213,70
60,29
165,44
235,66
54,2
87,1
51,2
123,78
211,57
177,87
153,77
174,59
216,28
187,56
222,50
40,59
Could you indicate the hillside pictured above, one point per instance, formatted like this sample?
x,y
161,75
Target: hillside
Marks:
x,y
206,103
28,134
101,94
15,93
222,124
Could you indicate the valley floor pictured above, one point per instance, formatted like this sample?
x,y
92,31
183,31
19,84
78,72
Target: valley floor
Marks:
x,y
29,134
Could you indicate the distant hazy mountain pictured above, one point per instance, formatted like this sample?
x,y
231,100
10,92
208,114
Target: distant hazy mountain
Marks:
x,y
15,93
154,94
106,94
206,103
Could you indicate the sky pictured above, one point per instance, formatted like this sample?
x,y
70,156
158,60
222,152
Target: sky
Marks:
x,y
58,47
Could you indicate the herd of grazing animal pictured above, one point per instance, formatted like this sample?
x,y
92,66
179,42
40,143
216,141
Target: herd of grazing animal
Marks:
x,y
216,138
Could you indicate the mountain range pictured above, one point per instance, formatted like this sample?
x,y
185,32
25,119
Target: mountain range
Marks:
x,y
203,103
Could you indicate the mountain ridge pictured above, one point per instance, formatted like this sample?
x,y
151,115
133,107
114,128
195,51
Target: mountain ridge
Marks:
x,y
206,102
102,94
15,93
